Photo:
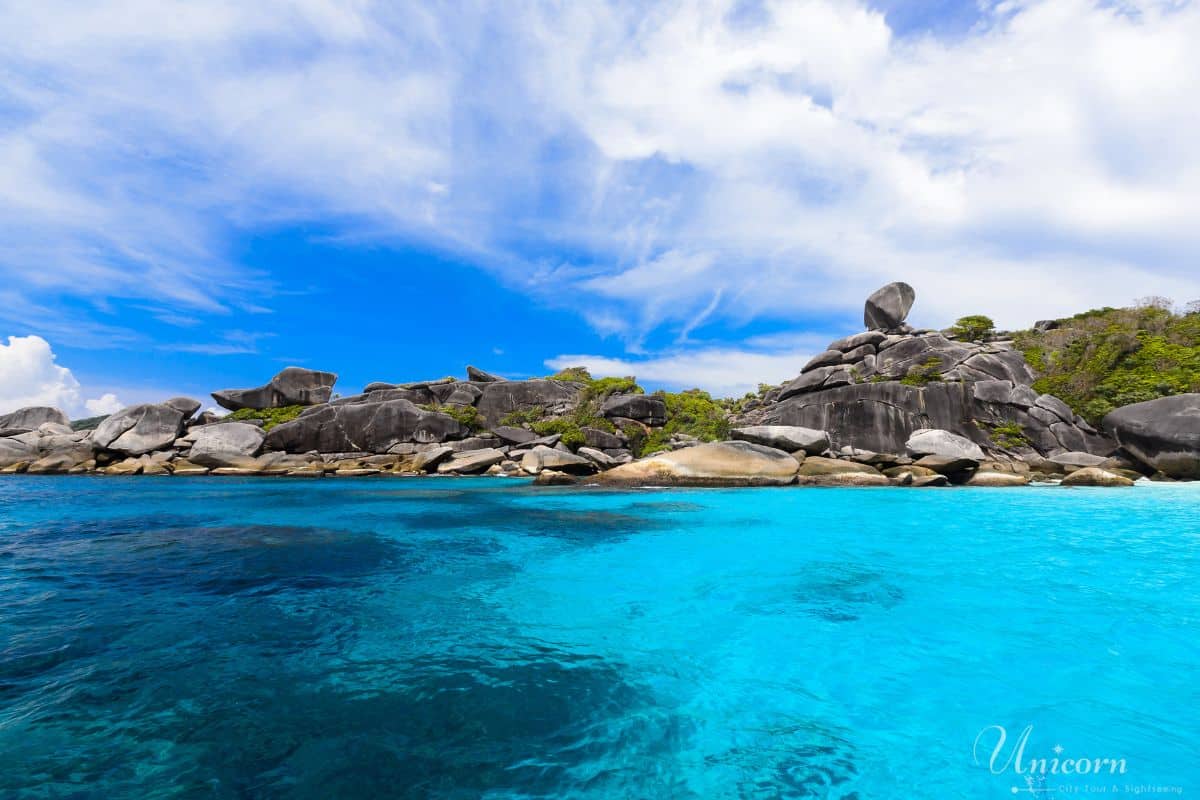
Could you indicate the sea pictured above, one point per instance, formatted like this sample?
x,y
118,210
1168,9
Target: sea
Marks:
x,y
485,638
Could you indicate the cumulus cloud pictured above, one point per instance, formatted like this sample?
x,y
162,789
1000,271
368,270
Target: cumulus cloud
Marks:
x,y
106,403
30,376
697,163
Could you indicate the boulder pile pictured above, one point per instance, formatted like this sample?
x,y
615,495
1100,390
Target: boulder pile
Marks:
x,y
873,389
892,405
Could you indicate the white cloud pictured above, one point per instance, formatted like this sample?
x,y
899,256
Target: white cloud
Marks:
x,y
700,165
105,404
30,376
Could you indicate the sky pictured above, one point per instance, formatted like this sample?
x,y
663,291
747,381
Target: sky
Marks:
x,y
197,194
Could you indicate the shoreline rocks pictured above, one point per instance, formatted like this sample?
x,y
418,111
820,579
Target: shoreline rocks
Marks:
x,y
890,406
1164,434
713,464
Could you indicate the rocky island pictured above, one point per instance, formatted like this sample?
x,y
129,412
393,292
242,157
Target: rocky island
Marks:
x,y
892,405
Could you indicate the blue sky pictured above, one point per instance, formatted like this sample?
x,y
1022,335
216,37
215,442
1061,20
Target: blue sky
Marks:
x,y
700,193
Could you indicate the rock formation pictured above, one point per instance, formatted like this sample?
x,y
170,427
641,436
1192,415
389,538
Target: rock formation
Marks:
x,y
1163,434
31,418
294,386
139,429
889,406
372,427
873,390
888,307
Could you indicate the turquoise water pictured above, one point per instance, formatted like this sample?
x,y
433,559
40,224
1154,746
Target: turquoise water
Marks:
x,y
462,638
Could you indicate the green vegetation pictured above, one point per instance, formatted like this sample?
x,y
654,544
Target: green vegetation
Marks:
x,y
921,374
586,413
467,416
88,424
1008,435
571,426
270,416
574,374
598,387
523,416
973,328
1110,357
692,412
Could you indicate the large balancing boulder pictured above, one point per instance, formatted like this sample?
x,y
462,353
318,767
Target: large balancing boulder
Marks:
x,y
888,307
715,464
294,386
1163,433
363,427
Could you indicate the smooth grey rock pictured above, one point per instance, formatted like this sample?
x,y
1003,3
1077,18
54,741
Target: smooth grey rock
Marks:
x,y
540,458
858,354
1004,392
504,397
874,338
471,462
601,440
1072,460
825,359
464,394
993,391
1056,407
598,457
220,445
16,450
645,408
477,443
807,382
293,386
933,442
186,405
880,416
1007,365
30,417
888,306
476,374
839,377
140,429
427,459
1163,433
514,435
784,437
371,427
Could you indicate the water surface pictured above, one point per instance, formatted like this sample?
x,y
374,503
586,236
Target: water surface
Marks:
x,y
462,638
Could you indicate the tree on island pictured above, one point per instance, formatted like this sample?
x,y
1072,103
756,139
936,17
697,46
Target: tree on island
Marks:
x,y
973,328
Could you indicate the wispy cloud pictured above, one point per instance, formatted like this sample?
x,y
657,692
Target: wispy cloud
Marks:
x,y
234,342
662,168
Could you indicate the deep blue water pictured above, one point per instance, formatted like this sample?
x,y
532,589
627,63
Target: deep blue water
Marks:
x,y
463,638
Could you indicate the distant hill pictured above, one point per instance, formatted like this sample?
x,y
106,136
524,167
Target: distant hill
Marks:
x,y
1110,357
